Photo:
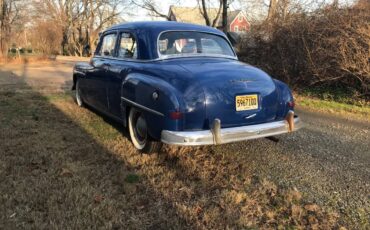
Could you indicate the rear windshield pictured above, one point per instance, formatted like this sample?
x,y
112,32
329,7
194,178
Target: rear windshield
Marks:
x,y
191,43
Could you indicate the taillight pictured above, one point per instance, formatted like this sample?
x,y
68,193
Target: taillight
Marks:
x,y
291,104
175,115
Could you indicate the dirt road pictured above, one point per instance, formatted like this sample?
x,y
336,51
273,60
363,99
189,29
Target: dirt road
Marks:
x,y
61,166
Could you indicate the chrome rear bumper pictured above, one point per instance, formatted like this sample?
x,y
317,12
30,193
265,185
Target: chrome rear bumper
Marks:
x,y
226,135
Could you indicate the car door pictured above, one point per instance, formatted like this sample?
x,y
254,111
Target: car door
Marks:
x,y
120,67
100,76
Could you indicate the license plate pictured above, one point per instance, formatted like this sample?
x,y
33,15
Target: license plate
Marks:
x,y
246,102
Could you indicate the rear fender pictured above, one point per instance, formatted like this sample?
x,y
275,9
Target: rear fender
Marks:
x,y
139,90
285,96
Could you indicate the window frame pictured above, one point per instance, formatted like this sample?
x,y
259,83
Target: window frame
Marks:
x,y
118,44
101,39
240,18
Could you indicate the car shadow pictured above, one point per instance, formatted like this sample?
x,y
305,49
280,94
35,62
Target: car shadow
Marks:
x,y
54,174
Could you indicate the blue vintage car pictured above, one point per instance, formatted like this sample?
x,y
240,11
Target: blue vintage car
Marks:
x,y
181,84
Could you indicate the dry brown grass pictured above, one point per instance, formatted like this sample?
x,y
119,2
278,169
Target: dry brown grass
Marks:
x,y
65,167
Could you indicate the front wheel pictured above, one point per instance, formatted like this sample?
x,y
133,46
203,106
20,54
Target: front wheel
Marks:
x,y
139,133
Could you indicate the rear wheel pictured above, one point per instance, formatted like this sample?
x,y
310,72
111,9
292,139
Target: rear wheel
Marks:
x,y
139,133
79,100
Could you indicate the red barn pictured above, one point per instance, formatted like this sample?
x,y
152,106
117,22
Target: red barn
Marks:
x,y
237,22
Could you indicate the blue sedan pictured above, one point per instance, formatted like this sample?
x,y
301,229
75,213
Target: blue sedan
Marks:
x,y
181,84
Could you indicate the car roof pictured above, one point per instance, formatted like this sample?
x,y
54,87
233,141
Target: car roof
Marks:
x,y
147,34
160,26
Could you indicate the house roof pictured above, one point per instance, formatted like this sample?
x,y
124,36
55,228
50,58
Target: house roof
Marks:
x,y
231,15
193,15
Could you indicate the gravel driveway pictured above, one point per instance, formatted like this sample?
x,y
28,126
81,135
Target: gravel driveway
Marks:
x,y
329,160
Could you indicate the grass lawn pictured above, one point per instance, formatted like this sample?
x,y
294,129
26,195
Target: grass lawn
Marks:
x,y
331,106
334,100
62,166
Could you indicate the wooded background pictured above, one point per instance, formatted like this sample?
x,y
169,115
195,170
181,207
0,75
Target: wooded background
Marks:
x,y
310,43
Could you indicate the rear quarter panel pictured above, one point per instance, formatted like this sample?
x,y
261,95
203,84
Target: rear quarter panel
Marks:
x,y
139,88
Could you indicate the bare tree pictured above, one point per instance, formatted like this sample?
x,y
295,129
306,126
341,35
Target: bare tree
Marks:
x,y
80,21
9,14
48,38
204,8
152,7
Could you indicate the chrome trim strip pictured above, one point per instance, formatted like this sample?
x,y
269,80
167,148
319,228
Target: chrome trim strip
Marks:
x,y
142,107
128,59
161,59
164,57
227,135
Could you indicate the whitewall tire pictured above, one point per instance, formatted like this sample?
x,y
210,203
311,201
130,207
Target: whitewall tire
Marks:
x,y
139,133
78,96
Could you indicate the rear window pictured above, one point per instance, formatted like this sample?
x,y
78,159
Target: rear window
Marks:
x,y
191,43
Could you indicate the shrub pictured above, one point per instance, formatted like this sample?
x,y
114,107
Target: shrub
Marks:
x,y
326,48
13,50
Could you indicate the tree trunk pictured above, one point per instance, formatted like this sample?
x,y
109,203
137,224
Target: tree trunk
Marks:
x,y
2,26
224,16
205,13
215,21
5,9
272,10
64,42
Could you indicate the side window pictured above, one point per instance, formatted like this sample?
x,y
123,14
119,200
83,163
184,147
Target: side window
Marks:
x,y
107,46
127,47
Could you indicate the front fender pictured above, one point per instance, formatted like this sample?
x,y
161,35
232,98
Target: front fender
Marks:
x,y
137,91
79,70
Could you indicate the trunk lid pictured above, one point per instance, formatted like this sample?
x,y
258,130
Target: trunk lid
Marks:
x,y
223,80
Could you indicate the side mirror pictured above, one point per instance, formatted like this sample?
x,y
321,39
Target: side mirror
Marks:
x,y
106,53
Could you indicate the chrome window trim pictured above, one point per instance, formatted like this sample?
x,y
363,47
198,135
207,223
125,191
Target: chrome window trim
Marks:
x,y
120,32
160,59
142,107
127,59
164,57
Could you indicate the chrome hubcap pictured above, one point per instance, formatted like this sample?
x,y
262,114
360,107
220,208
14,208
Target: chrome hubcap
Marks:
x,y
140,128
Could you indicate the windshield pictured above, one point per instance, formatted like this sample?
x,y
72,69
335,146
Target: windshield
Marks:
x,y
185,43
